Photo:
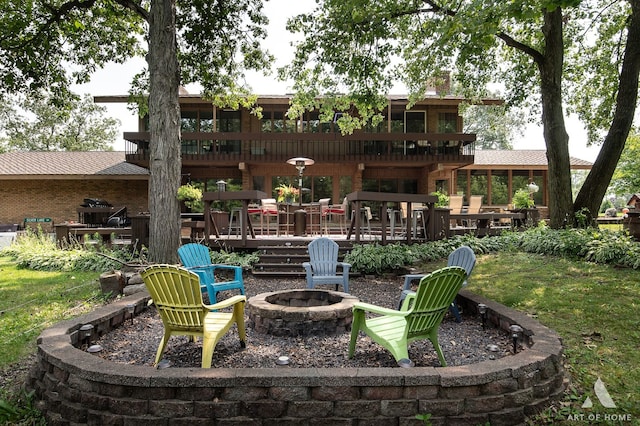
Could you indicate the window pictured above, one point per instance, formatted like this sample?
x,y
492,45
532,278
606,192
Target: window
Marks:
x,y
447,122
189,121
415,122
229,121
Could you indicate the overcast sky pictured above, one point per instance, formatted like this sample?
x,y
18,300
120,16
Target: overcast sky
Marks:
x,y
115,79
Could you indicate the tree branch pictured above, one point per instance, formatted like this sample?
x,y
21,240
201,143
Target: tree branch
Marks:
x,y
511,42
135,7
434,7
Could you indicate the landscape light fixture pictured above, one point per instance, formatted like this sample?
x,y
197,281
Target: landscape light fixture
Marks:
x,y
482,310
131,309
300,163
222,185
85,334
515,330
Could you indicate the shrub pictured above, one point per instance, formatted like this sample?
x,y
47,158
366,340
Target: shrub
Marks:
x,y
245,260
38,251
522,199
377,259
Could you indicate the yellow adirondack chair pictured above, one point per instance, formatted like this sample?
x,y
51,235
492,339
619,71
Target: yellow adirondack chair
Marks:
x,y
419,317
176,293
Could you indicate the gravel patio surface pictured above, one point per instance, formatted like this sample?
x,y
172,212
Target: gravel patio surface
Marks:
x,y
462,343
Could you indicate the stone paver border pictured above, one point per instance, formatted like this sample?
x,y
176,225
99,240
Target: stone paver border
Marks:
x,y
75,387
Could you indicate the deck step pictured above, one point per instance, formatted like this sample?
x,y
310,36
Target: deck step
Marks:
x,y
285,259
278,273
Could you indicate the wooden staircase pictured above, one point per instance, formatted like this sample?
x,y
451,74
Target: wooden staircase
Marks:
x,y
285,259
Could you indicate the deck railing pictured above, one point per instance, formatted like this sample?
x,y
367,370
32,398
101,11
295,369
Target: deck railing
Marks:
x,y
319,146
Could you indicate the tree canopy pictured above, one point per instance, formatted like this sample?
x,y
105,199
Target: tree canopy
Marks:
x,y
360,48
37,124
495,126
49,45
626,179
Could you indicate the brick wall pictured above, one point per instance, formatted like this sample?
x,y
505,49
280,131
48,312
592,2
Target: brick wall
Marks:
x,y
59,199
75,387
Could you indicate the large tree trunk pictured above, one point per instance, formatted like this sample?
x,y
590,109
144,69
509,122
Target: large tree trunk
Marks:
x,y
595,186
164,126
555,134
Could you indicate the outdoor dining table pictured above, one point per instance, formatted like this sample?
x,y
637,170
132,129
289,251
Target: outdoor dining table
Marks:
x,y
356,199
244,196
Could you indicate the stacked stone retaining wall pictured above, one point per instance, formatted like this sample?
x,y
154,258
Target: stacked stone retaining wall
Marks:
x,y
75,387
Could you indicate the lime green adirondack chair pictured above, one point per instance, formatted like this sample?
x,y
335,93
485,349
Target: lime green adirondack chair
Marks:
x,y
176,293
419,317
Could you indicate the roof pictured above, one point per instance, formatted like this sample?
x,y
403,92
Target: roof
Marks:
x,y
69,165
429,99
519,159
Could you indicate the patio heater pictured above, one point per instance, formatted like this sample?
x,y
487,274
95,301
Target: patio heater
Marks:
x,y
300,163
300,216
533,188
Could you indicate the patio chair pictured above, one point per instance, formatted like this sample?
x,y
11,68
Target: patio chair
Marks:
x,y
455,205
324,213
419,317
475,206
464,257
175,292
269,209
340,212
417,217
195,257
323,265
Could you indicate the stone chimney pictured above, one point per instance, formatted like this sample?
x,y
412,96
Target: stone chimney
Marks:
x,y
440,84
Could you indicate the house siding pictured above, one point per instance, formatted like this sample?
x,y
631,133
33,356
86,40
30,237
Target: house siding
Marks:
x,y
59,199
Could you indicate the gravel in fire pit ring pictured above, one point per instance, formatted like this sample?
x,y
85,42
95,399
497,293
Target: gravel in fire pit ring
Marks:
x,y
462,343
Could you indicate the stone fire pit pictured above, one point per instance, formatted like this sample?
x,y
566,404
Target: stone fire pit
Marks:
x,y
301,312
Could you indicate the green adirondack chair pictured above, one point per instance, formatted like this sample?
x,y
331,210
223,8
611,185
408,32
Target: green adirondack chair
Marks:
x,y
419,317
176,293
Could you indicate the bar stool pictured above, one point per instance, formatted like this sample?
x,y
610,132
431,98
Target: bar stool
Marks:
x,y
365,217
236,213
395,216
285,220
314,222
419,217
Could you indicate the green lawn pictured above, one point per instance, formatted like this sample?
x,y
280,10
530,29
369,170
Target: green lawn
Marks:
x,y
31,301
594,308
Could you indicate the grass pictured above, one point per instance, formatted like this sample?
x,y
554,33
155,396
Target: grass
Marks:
x,y
31,301
594,308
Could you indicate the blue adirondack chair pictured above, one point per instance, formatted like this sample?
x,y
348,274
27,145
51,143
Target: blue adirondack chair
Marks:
x,y
195,257
419,317
464,257
323,264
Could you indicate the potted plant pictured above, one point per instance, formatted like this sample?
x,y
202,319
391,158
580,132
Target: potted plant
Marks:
x,y
522,199
287,193
191,196
443,199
